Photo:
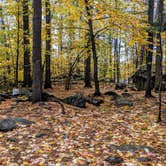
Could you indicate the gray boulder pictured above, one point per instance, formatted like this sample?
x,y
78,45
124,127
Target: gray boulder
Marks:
x,y
113,94
77,100
11,123
123,102
7,124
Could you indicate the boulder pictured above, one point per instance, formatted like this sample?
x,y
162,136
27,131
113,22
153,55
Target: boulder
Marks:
x,y
11,123
123,102
23,121
94,101
77,100
7,124
112,94
139,78
120,86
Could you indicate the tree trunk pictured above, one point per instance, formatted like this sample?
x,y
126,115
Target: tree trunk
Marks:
x,y
150,49
142,55
117,57
26,43
18,44
95,58
48,46
37,61
159,51
88,70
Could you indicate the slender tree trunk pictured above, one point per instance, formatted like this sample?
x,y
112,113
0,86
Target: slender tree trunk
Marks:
x,y
136,56
95,58
150,49
37,60
88,70
142,55
48,46
26,43
117,56
159,52
18,44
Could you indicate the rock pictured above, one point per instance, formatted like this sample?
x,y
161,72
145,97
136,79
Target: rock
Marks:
x,y
120,86
96,102
131,148
11,123
123,102
139,78
16,92
77,100
48,97
143,159
23,121
146,148
125,94
126,147
113,94
7,124
114,160
113,147
12,140
25,92
40,135
3,97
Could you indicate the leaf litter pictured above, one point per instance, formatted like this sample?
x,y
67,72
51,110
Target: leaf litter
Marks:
x,y
83,136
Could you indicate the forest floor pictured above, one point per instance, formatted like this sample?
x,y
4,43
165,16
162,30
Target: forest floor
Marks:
x,y
82,137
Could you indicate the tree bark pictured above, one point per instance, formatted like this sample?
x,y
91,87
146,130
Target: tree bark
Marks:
x,y
48,46
159,52
26,43
37,60
18,44
88,70
150,49
92,39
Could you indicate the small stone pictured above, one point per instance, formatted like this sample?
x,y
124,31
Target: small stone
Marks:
x,y
12,140
40,135
119,86
143,159
125,94
123,102
114,160
113,94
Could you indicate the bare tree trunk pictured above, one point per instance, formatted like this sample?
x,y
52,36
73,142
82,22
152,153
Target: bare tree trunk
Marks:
x,y
95,58
37,60
18,44
142,55
48,46
150,49
159,51
88,70
26,43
